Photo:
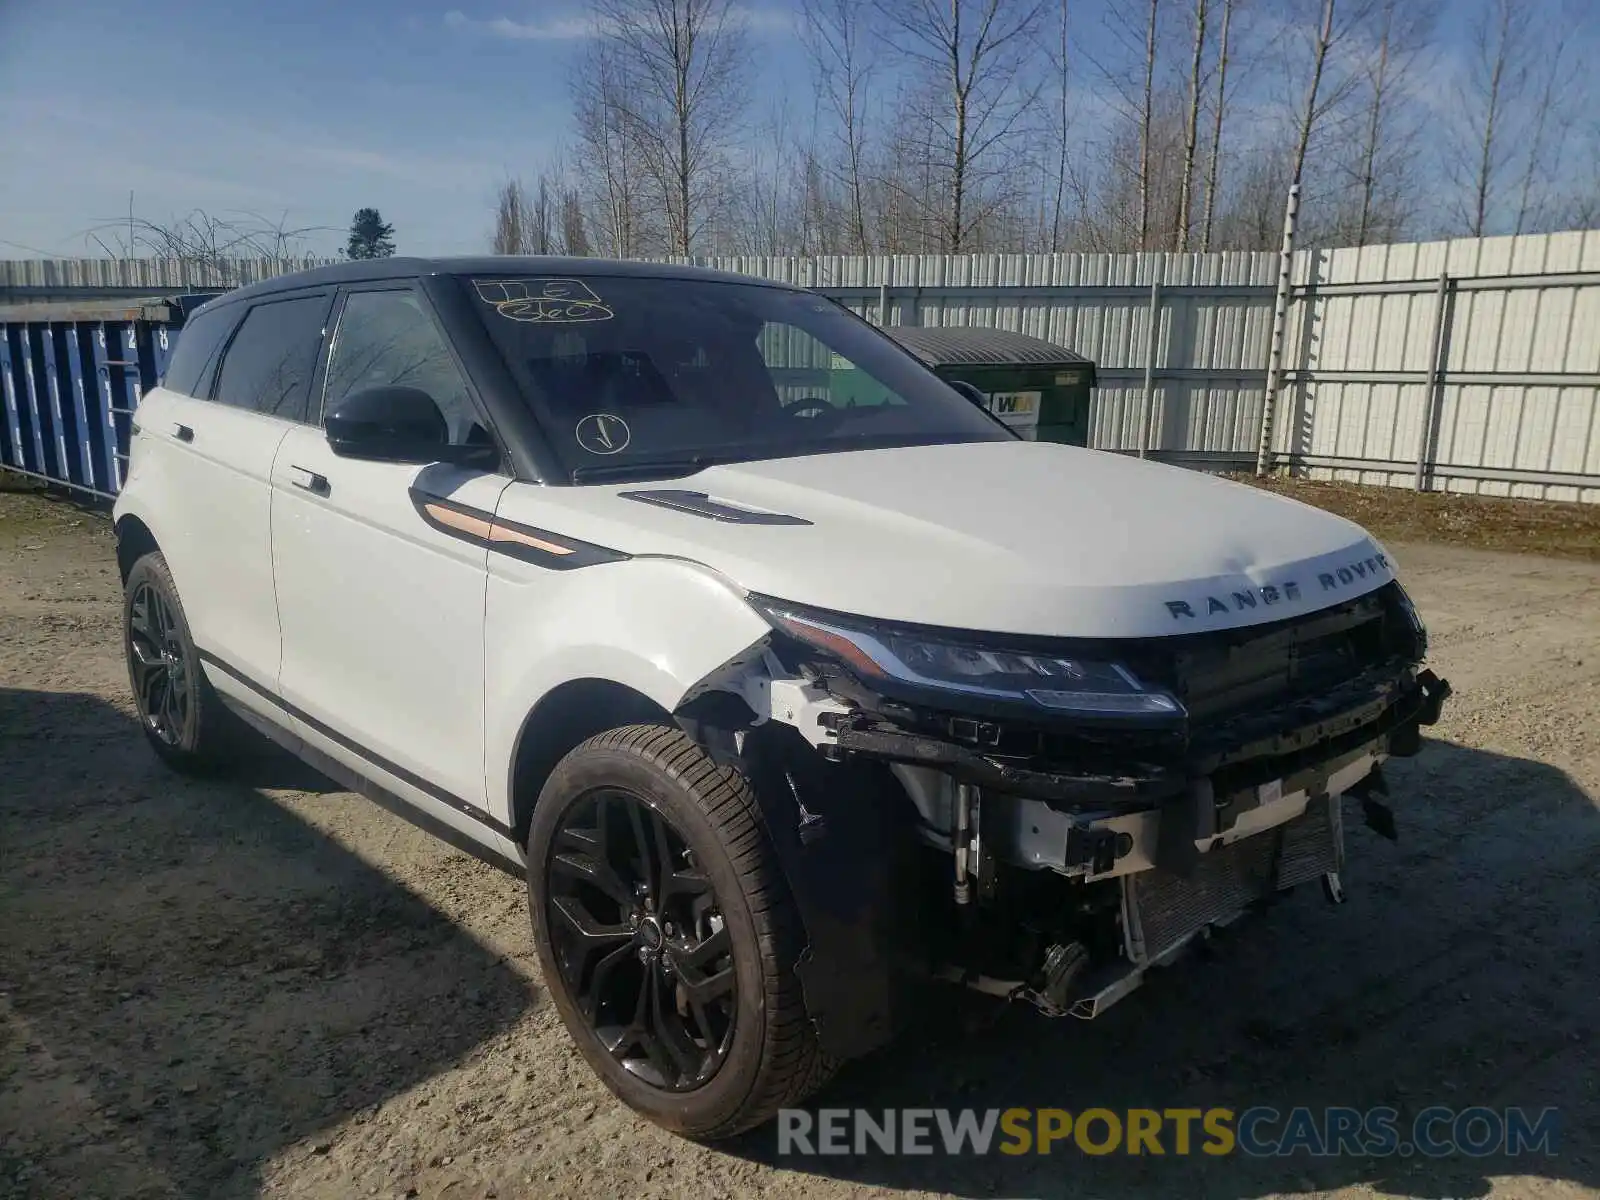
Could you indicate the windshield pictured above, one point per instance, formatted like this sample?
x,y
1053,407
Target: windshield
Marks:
x,y
635,376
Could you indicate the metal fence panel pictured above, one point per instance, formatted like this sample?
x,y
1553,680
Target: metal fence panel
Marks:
x,y
70,388
1509,408
1480,356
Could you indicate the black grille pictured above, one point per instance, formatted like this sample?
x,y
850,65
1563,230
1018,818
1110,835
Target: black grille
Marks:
x,y
1223,674
1238,687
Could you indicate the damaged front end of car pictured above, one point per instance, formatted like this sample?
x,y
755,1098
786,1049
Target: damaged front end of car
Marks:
x,y
1047,819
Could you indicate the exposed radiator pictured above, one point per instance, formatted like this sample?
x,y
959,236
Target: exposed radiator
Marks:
x,y
1161,910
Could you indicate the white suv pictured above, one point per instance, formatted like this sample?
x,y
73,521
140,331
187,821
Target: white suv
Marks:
x,y
789,676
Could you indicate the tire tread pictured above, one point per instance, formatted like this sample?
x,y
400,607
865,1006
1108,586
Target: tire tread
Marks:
x,y
217,734
794,1065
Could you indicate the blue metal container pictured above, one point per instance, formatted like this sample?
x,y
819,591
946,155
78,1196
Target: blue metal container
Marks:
x,y
71,376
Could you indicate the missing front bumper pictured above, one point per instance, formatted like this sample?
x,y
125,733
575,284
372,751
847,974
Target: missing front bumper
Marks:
x,y
1100,846
1163,914
1161,910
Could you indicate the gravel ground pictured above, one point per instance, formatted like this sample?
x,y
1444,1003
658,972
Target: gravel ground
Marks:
x,y
267,985
1397,514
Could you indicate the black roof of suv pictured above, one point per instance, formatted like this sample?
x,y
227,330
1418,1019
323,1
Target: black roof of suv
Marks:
x,y
367,269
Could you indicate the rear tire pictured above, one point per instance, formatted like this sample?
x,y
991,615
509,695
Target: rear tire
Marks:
x,y
701,925
181,716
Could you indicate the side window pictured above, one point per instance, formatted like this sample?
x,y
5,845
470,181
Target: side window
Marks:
x,y
267,367
199,343
385,339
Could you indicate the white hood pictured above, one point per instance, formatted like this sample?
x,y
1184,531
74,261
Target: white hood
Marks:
x,y
1012,537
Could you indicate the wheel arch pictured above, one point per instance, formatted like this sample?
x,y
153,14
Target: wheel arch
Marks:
x,y
563,718
588,650
134,541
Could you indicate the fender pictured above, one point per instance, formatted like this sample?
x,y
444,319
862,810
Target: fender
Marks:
x,y
128,509
659,626
675,631
146,496
135,498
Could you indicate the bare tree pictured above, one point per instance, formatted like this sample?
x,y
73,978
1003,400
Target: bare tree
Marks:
x,y
975,61
836,37
542,231
525,220
770,219
1214,157
574,233
1133,197
1191,130
1122,192
1253,217
1379,77
952,126
1526,201
1551,122
1146,113
682,90
1580,207
510,219
1309,112
906,201
1380,166
209,245
1582,210
1062,131
1498,74
605,154
1319,55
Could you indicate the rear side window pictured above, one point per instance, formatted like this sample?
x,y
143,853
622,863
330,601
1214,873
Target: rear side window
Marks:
x,y
267,367
199,343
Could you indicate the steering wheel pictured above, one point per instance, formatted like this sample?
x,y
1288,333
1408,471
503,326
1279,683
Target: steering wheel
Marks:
x,y
807,405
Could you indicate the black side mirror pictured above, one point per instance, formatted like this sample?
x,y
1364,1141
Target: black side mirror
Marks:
x,y
971,393
397,424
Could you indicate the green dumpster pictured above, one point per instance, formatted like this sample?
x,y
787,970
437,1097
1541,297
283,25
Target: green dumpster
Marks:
x,y
1039,389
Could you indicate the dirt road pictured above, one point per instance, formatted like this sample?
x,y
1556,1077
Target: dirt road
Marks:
x,y
266,985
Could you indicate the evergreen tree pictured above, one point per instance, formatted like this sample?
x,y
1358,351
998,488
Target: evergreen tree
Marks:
x,y
370,236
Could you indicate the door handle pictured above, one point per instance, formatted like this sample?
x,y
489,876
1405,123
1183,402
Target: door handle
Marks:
x,y
317,485
183,433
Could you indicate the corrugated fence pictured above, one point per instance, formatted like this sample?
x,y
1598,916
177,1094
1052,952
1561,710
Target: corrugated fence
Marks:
x,y
1470,365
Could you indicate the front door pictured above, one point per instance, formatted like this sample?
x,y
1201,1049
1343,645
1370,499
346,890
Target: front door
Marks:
x,y
382,612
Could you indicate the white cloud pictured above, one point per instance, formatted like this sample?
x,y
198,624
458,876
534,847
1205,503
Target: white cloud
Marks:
x,y
576,26
549,29
765,20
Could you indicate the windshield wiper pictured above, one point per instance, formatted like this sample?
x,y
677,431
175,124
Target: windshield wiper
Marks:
x,y
660,468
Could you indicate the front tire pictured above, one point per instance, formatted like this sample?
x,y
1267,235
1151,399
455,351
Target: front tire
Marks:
x,y
182,718
667,934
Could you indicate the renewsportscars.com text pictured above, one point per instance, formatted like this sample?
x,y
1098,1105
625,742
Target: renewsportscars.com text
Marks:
x,y
1259,1131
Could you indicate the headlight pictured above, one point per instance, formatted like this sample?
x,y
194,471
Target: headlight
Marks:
x,y
1054,682
1419,631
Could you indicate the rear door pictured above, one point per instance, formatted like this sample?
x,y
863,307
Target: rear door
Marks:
x,y
166,466
381,603
218,455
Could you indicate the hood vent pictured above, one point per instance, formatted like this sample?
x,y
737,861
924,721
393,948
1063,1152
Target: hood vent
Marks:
x,y
702,505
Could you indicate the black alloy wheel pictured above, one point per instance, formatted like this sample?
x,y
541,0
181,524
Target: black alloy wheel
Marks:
x,y
182,717
667,934
641,940
158,665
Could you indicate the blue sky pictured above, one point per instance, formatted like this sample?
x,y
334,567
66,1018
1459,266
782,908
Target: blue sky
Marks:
x,y
314,107
310,109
